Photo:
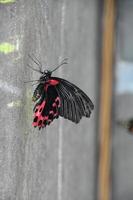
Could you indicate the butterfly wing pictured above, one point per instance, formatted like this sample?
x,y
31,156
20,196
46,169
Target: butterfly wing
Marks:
x,y
46,109
74,102
59,97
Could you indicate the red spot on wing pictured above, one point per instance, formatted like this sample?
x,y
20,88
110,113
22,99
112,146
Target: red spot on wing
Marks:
x,y
57,101
53,82
40,120
50,82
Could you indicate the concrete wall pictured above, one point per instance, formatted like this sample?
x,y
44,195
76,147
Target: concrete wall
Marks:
x,y
59,162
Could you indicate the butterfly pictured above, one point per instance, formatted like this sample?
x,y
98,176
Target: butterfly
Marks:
x,y
54,97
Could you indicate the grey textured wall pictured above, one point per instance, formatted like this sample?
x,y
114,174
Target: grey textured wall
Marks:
x,y
59,162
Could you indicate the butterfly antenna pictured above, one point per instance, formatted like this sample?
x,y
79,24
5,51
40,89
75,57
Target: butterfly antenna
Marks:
x,y
36,61
62,63
40,64
34,69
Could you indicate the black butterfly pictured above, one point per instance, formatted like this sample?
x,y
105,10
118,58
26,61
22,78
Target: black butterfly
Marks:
x,y
56,97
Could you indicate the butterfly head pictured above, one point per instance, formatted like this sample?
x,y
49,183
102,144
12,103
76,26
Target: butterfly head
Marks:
x,y
45,75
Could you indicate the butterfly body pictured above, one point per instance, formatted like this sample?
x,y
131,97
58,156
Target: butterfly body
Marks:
x,y
56,97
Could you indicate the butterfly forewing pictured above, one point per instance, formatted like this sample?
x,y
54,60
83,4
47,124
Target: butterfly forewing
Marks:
x,y
79,104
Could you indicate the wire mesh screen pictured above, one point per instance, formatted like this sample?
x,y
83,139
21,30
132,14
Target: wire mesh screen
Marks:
x,y
57,162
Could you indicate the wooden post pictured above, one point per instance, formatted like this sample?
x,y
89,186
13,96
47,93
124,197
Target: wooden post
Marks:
x,y
104,186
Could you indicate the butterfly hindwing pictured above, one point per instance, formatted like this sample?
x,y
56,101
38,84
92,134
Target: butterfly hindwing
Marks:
x,y
46,109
